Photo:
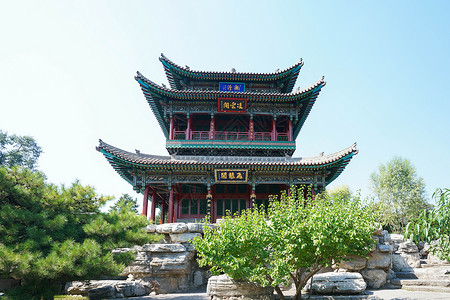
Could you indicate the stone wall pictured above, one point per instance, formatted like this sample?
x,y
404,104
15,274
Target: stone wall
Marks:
x,y
171,265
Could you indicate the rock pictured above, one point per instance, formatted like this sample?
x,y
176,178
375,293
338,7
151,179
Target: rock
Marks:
x,y
82,287
433,259
374,277
199,278
151,228
195,227
103,292
179,228
407,247
396,240
385,248
171,263
378,260
337,283
164,248
405,261
355,263
224,287
104,289
386,236
378,230
183,237
164,228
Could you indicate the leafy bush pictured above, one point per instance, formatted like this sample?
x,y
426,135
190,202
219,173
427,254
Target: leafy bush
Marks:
x,y
298,237
433,225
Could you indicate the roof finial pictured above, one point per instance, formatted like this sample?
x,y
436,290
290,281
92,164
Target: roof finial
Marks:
x,y
187,67
233,70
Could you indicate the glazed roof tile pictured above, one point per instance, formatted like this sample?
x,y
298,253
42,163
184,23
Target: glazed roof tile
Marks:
x,y
213,94
288,75
147,159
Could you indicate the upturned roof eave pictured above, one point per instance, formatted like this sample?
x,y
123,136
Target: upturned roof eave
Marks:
x,y
212,95
174,71
150,161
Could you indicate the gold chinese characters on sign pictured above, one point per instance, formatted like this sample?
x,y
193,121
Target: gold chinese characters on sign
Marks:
x,y
236,105
231,176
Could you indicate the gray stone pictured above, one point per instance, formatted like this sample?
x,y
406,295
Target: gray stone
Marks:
x,y
405,261
195,227
433,259
199,278
103,292
164,248
183,237
355,263
179,228
378,260
224,287
374,278
151,228
164,228
386,236
385,248
337,283
103,289
171,263
408,247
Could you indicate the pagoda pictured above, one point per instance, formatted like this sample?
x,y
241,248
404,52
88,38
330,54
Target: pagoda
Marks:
x,y
230,138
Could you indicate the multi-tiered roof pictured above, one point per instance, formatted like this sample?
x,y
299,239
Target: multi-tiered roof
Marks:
x,y
201,136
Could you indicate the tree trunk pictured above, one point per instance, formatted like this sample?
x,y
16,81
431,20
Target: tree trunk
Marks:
x,y
279,292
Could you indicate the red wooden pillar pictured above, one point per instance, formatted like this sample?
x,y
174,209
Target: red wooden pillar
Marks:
x,y
290,137
171,128
170,205
145,203
313,193
274,129
175,209
188,128
251,129
211,128
153,212
163,211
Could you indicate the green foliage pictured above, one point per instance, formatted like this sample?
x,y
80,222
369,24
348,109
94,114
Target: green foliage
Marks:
x,y
18,151
50,235
296,239
125,202
433,225
399,193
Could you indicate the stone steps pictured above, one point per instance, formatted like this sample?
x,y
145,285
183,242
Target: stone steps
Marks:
x,y
420,282
424,288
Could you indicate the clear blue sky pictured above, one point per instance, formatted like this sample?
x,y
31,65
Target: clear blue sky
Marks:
x,y
67,67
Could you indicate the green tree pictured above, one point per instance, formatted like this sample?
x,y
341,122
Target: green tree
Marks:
x,y
399,193
293,241
433,225
18,150
50,235
125,202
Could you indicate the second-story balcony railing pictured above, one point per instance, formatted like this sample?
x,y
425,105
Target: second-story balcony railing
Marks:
x,y
230,136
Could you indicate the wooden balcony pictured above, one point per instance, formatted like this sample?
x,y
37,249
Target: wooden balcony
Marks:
x,y
230,136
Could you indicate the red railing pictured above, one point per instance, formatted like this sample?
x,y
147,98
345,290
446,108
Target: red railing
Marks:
x,y
262,136
230,136
179,135
283,137
200,135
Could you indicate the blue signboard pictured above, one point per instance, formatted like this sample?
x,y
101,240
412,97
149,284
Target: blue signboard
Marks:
x,y
231,87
